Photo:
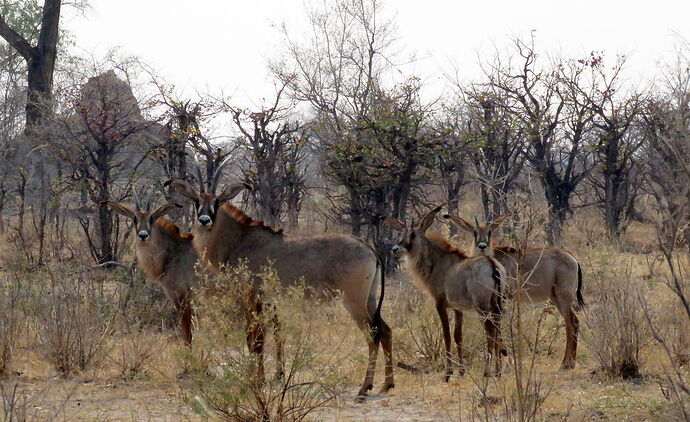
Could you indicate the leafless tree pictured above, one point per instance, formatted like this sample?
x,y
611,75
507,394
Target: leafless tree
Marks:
x,y
40,58
274,149
498,148
102,143
618,142
557,123
336,71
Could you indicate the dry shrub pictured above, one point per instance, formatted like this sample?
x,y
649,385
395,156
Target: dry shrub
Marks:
x,y
20,403
143,312
142,304
12,296
617,328
135,351
74,318
224,373
418,336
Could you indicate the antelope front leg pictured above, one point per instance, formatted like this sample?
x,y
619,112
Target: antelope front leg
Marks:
x,y
445,325
491,344
457,334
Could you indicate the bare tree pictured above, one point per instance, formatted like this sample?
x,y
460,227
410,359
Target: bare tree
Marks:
x,y
556,121
336,71
498,150
618,141
40,58
101,141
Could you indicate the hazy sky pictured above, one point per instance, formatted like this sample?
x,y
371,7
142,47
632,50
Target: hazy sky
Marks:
x,y
209,45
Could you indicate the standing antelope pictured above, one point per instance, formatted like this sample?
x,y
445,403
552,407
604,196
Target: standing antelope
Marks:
x,y
452,279
545,274
224,235
166,255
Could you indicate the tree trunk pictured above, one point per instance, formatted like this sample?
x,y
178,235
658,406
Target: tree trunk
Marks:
x,y
105,215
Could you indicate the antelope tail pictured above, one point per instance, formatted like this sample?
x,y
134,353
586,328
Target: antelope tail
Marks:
x,y
498,298
578,293
498,283
377,320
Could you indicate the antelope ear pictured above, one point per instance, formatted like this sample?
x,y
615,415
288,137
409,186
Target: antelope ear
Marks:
x,y
428,220
460,222
183,187
122,209
231,191
393,223
164,209
497,222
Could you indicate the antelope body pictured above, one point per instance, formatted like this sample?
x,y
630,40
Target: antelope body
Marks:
x,y
167,257
326,264
534,276
454,280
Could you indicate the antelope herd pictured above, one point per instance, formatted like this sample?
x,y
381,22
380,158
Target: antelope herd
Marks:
x,y
332,265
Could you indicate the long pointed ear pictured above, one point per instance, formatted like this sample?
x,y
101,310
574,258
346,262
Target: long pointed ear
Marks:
x,y
393,223
183,187
122,209
428,220
497,222
460,222
231,191
164,209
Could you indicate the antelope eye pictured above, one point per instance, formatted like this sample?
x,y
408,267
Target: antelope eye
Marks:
x,y
412,236
151,220
135,221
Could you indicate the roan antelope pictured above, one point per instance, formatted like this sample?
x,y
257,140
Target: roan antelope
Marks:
x,y
545,274
167,257
327,264
454,280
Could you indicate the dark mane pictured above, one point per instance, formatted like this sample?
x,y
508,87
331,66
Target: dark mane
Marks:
x,y
169,228
245,220
445,245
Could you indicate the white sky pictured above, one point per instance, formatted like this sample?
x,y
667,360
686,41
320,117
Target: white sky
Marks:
x,y
214,45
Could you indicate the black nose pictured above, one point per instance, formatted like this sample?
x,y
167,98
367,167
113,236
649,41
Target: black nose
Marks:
x,y
482,246
204,220
143,235
395,248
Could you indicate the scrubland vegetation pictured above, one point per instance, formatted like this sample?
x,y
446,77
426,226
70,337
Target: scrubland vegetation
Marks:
x,y
576,155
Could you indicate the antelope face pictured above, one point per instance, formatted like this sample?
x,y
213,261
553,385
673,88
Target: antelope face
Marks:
x,y
482,239
143,221
405,243
482,233
410,239
207,206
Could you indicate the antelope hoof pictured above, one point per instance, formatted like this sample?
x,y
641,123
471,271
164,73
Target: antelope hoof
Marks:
x,y
386,388
361,397
448,375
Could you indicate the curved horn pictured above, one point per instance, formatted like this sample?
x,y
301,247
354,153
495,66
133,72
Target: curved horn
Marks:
x,y
201,178
137,203
217,174
428,220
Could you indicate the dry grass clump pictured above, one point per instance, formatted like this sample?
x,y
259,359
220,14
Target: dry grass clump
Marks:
x,y
74,321
617,329
224,373
12,321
